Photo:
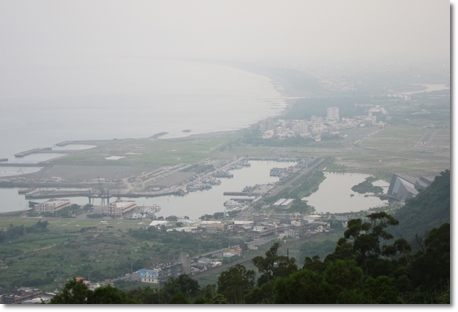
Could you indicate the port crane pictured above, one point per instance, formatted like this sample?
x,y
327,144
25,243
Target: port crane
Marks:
x,y
102,192
32,186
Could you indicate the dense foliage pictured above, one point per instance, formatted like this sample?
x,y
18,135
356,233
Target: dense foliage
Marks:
x,y
429,209
18,231
367,187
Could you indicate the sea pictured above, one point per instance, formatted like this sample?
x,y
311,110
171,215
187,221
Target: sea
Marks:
x,y
130,99
123,98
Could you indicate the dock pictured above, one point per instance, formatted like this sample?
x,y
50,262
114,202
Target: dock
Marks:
x,y
43,194
237,194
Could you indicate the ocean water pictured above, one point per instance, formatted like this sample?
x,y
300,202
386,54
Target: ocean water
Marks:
x,y
128,99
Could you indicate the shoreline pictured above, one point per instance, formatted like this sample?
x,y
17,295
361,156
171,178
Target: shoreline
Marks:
x,y
288,98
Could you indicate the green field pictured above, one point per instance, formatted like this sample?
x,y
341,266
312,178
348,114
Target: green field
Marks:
x,y
148,151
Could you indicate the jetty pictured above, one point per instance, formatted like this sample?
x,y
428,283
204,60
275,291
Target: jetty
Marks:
x,y
33,151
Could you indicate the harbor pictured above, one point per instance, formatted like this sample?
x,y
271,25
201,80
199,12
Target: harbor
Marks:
x,y
172,201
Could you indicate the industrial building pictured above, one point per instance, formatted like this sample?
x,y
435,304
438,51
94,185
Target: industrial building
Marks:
x,y
405,187
52,205
119,207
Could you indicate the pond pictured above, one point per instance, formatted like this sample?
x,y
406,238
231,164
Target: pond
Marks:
x,y
335,195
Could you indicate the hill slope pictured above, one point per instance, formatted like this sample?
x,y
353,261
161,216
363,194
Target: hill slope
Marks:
x,y
429,209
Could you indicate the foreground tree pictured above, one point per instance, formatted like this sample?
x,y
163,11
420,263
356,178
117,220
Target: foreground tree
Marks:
x,y
273,265
235,283
363,242
76,292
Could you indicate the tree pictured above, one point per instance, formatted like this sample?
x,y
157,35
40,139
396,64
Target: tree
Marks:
x,y
145,295
73,292
274,265
183,284
313,264
76,292
263,294
430,270
366,239
109,295
235,283
302,287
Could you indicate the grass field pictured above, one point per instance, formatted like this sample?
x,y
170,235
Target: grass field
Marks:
x,y
409,140
148,151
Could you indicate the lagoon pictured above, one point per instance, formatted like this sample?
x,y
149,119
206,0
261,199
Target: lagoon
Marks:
x,y
335,195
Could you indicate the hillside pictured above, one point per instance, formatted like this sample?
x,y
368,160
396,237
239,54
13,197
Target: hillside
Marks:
x,y
429,209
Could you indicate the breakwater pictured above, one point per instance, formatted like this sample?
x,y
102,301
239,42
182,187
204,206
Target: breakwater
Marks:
x,y
33,151
237,194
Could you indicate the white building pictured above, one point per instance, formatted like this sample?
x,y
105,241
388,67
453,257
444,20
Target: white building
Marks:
x,y
52,205
333,113
119,207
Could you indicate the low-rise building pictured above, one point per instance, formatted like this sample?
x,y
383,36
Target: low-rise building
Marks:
x,y
119,207
52,205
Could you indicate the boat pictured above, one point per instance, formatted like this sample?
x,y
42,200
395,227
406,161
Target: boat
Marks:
x,y
231,204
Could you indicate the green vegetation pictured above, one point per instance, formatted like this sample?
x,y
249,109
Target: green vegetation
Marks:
x,y
429,209
149,151
367,187
17,231
360,270
75,292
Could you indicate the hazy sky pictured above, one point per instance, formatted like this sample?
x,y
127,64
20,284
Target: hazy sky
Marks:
x,y
284,31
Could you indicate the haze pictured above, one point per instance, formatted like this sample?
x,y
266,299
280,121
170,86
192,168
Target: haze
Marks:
x,y
282,31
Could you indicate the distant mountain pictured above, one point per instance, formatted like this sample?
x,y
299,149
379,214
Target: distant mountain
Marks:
x,y
428,210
